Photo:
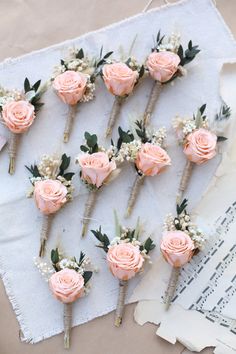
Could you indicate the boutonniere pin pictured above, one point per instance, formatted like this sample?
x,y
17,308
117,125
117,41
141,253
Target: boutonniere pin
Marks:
x,y
98,168
68,280
181,240
145,149
18,111
52,189
125,256
199,140
120,78
166,62
74,83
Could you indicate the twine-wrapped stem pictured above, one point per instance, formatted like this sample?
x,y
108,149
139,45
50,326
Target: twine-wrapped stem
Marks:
x,y
123,284
187,172
47,221
115,111
134,193
67,324
173,281
13,143
89,205
69,122
154,95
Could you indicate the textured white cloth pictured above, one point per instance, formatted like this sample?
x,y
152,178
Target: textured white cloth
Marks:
x,y
38,313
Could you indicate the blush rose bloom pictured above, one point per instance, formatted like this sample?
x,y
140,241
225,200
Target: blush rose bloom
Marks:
x,y
119,78
177,248
67,285
124,260
151,159
49,195
162,65
70,86
96,167
200,146
18,115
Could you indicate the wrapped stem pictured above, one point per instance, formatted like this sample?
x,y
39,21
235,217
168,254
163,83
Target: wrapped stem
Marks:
x,y
67,324
89,205
13,143
47,221
171,286
184,180
134,193
114,114
121,302
69,122
154,95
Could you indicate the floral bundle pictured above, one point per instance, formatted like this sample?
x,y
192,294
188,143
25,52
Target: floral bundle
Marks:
x,y
18,111
166,63
199,140
145,148
68,280
51,188
126,256
120,78
181,240
98,168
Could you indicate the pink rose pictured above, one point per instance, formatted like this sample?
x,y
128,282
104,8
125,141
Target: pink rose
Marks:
x,y
200,146
18,115
70,86
162,65
49,195
124,260
67,285
119,78
151,159
96,167
177,248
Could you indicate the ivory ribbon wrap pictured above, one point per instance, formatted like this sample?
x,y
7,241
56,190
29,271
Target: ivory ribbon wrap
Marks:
x,y
13,143
47,222
171,286
69,122
123,284
184,180
67,324
116,108
134,193
154,95
89,205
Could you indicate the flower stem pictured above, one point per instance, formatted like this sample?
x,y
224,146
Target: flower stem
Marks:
x,y
69,122
67,324
154,95
14,139
89,205
123,284
187,172
171,286
47,221
117,104
134,193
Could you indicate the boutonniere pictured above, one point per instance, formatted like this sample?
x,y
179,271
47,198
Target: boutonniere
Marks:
x,y
125,256
51,188
146,150
166,63
120,78
68,280
98,168
74,82
181,240
18,111
199,140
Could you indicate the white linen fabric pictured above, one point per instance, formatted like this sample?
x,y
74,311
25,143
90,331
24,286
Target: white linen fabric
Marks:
x,y
39,314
